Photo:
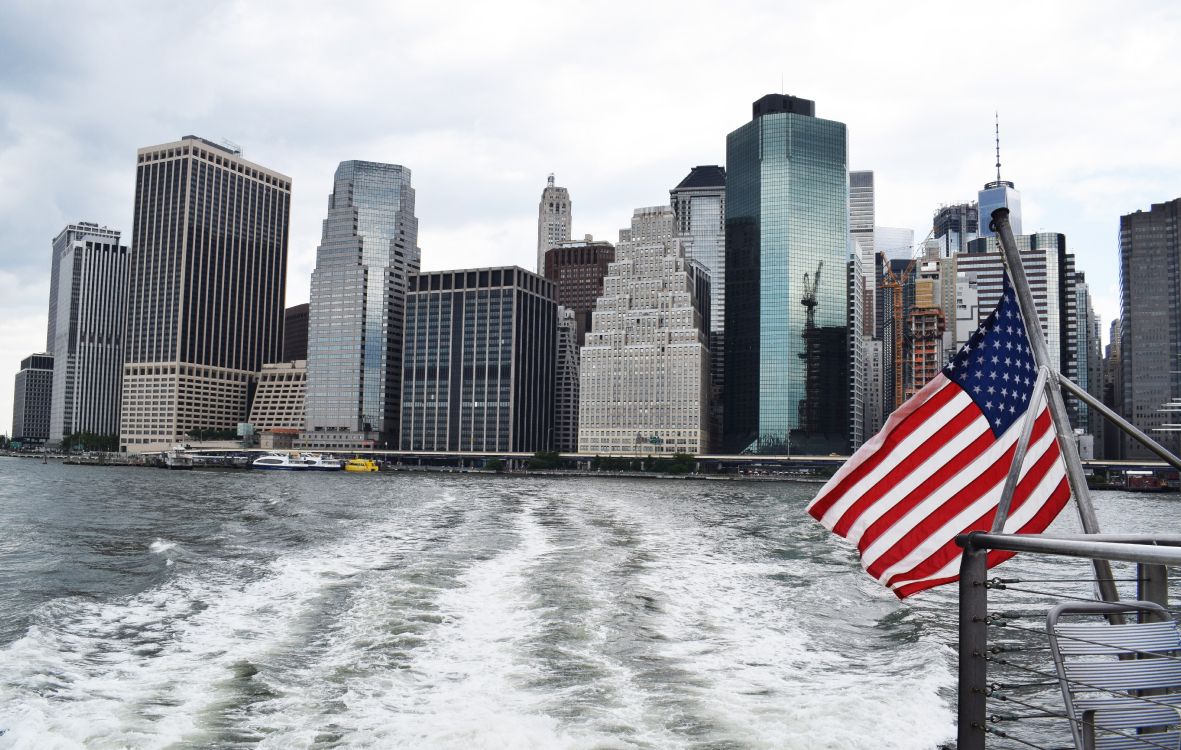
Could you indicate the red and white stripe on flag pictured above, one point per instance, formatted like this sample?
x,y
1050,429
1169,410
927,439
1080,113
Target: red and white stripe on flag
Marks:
x,y
938,467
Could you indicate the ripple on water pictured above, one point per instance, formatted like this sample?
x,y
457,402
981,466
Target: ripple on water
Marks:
x,y
420,611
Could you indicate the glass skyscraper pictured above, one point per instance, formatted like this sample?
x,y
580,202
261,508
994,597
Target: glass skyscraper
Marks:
x,y
787,229
358,298
699,202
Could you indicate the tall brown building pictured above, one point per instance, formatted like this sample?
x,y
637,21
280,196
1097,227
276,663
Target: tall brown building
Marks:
x,y
578,268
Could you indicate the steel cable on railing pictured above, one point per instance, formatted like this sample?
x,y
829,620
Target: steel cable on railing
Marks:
x,y
1140,652
1110,691
1080,722
1005,735
1051,594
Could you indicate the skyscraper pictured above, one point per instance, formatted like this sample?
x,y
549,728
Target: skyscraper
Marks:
x,y
861,221
577,269
478,367
32,395
208,270
896,243
553,220
644,375
1150,322
1113,391
368,250
787,230
861,213
999,194
295,333
1090,355
699,203
1050,269
566,383
955,225
88,299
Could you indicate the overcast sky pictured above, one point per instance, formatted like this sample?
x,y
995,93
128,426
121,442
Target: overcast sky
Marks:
x,y
483,100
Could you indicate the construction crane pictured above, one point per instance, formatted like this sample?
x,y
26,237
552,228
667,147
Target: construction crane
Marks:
x,y
896,283
809,300
810,406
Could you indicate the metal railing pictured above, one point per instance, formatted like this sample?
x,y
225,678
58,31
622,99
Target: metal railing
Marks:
x,y
1024,685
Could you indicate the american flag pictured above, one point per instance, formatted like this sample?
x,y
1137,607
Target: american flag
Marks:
x,y
938,466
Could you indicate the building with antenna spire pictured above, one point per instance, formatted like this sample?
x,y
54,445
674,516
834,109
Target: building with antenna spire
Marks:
x,y
999,194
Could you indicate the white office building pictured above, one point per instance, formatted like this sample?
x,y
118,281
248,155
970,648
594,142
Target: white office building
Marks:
x,y
644,375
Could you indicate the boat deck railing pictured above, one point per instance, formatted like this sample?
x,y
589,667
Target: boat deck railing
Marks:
x,y
1009,694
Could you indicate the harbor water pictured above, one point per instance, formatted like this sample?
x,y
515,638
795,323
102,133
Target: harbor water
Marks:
x,y
142,608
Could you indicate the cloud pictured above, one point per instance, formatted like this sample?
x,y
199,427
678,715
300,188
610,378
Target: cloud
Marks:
x,y
483,100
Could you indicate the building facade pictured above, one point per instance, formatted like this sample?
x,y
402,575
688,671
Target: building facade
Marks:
x,y
88,303
554,216
861,222
787,230
1150,322
577,269
566,383
858,349
1050,270
295,333
207,279
954,226
478,367
33,394
861,212
368,252
1113,392
644,372
699,203
998,194
896,243
279,396
1090,356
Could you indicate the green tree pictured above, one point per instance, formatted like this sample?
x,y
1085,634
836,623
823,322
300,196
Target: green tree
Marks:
x,y
544,460
494,464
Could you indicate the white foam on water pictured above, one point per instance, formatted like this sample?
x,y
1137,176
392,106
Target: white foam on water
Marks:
x,y
461,683
475,622
144,671
751,671
160,545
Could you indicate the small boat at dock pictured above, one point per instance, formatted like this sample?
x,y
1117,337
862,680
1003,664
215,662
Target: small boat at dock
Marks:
x,y
297,462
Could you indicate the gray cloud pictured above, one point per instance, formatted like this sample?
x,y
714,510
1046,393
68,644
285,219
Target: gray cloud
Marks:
x,y
482,100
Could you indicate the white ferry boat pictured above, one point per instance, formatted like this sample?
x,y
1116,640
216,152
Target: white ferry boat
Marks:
x,y
297,462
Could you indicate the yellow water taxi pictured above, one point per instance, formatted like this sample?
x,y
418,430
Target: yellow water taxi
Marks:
x,y
360,464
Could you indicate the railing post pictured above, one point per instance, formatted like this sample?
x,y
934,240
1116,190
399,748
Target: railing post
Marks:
x,y
1152,585
973,679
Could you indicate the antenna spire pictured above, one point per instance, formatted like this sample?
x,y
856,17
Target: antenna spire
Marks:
x,y
997,115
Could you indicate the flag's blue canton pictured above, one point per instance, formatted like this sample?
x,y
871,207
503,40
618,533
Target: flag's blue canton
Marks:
x,y
996,367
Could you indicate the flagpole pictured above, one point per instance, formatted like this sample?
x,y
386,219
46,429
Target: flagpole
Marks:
x,y
1002,508
1041,356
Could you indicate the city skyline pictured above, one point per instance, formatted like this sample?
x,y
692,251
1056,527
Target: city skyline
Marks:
x,y
479,169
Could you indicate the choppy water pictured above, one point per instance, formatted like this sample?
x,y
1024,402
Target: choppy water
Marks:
x,y
144,608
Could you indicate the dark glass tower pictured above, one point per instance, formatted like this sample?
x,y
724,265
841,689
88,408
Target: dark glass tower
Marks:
x,y
787,229
1150,324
